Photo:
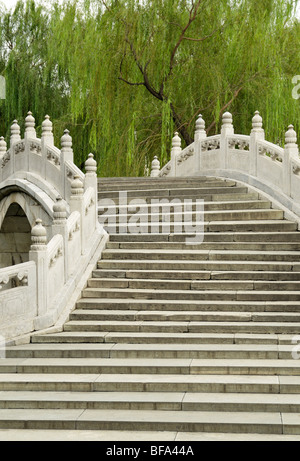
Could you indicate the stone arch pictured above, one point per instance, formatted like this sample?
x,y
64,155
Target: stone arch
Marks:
x,y
18,213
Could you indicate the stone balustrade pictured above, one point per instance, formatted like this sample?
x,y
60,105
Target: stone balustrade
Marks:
x,y
268,167
39,157
60,204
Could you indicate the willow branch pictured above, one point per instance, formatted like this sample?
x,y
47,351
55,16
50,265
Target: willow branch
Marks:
x,y
235,95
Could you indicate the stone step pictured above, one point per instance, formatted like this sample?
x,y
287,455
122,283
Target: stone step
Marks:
x,y
95,400
270,266
114,350
168,401
231,195
191,421
158,179
145,365
177,192
181,215
207,326
246,246
217,237
224,383
208,206
193,285
186,316
66,338
108,304
223,295
114,185
52,435
242,384
213,226
209,255
196,275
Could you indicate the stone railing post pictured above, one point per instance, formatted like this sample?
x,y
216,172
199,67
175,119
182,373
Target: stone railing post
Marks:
x,y
200,134
257,134
15,136
290,151
30,126
77,204
226,130
59,226
3,147
47,133
38,254
155,167
176,149
30,133
15,133
47,139
3,150
91,180
66,155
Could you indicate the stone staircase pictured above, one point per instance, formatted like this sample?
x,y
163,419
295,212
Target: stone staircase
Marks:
x,y
194,339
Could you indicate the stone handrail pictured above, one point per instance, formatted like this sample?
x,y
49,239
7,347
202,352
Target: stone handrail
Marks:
x,y
268,167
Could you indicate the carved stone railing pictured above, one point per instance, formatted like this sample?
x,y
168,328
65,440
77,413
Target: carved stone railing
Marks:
x,y
32,156
65,244
250,158
18,305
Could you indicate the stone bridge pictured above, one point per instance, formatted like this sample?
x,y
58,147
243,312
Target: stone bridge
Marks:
x,y
50,237
138,329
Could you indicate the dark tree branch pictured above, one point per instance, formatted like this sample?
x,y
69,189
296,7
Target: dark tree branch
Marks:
x,y
205,37
131,83
192,16
180,126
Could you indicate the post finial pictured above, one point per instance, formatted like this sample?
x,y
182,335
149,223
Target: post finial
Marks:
x,y
47,133
176,141
66,140
15,131
227,118
155,167
200,123
227,126
291,136
59,211
30,126
257,122
200,132
91,165
3,147
38,236
77,186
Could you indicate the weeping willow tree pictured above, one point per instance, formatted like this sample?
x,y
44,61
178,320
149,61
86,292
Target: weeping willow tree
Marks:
x,y
123,75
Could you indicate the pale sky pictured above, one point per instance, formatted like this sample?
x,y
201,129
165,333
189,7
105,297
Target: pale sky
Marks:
x,y
11,3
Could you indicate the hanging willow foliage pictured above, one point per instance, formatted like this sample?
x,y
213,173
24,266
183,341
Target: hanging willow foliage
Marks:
x,y
123,75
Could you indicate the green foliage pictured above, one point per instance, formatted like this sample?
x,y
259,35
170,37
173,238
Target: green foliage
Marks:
x,y
123,75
